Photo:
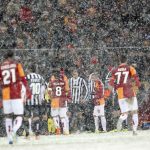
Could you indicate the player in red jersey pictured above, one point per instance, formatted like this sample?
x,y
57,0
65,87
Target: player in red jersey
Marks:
x,y
96,91
58,91
125,81
12,79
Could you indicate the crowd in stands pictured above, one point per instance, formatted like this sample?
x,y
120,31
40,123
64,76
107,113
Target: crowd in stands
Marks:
x,y
87,34
31,24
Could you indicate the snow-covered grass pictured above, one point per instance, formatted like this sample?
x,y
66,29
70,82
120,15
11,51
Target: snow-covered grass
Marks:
x,y
84,141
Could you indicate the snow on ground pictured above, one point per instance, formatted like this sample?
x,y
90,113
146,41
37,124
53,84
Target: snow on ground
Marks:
x,y
84,141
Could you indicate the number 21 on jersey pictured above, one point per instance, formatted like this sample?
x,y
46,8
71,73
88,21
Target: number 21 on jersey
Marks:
x,y
9,76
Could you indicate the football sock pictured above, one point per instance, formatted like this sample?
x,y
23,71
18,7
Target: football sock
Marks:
x,y
96,121
64,124
103,122
30,123
56,122
17,124
120,121
37,132
8,126
67,123
135,121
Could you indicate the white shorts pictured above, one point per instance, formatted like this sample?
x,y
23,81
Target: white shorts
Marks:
x,y
15,106
128,104
62,112
99,110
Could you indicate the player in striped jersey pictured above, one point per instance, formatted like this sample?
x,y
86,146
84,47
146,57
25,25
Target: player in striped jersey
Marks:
x,y
96,93
35,106
79,94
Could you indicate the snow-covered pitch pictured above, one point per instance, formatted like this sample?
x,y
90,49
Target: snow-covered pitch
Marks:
x,y
84,141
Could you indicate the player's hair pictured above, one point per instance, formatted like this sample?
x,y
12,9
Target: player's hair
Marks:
x,y
123,58
32,68
8,54
74,69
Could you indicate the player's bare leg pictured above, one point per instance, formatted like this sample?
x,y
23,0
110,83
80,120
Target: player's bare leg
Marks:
x,y
122,117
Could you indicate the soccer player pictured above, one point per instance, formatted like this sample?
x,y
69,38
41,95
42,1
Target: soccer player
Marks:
x,y
35,107
96,92
58,91
125,81
12,80
79,95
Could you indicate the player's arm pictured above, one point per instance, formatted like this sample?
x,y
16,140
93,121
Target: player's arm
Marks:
x,y
22,74
48,92
111,83
0,75
67,88
136,82
86,90
23,79
102,88
135,76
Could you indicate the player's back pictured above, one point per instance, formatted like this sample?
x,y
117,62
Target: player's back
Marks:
x,y
37,86
122,76
58,87
122,79
10,74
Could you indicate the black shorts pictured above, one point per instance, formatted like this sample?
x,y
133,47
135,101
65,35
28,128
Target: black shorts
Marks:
x,y
34,111
27,111
76,107
38,111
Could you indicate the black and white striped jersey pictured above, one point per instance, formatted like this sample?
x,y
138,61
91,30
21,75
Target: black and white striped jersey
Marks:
x,y
79,89
38,87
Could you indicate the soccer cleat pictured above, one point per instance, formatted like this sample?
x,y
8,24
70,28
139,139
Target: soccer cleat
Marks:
x,y
14,136
58,132
78,132
115,130
124,130
10,139
97,131
103,131
66,132
10,142
119,125
37,137
135,133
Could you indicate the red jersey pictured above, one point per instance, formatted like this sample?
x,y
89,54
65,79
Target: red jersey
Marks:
x,y
122,80
59,91
12,76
